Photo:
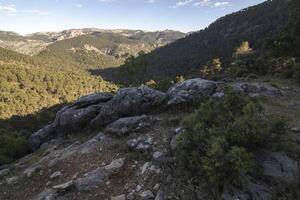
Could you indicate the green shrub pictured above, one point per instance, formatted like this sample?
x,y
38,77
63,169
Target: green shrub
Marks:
x,y
12,146
221,137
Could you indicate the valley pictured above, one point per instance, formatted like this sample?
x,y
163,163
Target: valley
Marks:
x,y
121,114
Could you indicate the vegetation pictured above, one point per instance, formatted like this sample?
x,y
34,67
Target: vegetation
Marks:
x,y
212,70
219,40
26,89
222,136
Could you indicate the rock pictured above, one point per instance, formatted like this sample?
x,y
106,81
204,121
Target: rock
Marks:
x,y
31,170
190,91
174,141
91,180
98,176
93,99
127,125
55,175
115,165
64,187
120,197
4,172
12,180
147,195
148,167
129,102
279,166
48,194
43,135
72,119
251,191
160,156
160,196
141,144
256,89
295,130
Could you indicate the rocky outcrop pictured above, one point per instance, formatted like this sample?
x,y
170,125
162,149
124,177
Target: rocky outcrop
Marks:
x,y
127,125
257,89
41,136
278,166
76,116
129,102
191,91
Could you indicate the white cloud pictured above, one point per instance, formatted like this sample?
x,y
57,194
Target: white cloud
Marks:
x,y
79,5
221,4
8,9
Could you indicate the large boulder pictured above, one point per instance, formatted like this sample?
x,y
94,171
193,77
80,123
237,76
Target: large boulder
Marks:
x,y
190,91
128,125
257,89
43,135
280,167
129,102
77,115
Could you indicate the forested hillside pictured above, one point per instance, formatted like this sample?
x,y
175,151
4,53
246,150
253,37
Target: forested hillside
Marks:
x,y
255,24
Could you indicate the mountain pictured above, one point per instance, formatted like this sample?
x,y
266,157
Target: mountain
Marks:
x,y
255,24
87,48
27,86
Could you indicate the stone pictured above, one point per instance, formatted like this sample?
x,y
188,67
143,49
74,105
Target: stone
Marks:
x,y
191,91
41,136
147,195
160,196
31,170
295,130
12,180
279,166
56,175
120,197
115,164
64,187
141,144
91,180
48,194
257,89
129,102
160,156
174,139
128,125
4,172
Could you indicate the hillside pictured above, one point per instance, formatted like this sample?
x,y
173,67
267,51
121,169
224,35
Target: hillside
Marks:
x,y
105,49
255,24
87,48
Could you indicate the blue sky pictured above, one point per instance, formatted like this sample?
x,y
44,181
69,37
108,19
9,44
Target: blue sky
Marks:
x,y
27,16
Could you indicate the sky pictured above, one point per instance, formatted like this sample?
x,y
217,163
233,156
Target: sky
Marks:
x,y
28,16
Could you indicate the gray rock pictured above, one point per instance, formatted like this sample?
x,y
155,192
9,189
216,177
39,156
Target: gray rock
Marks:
x,y
128,125
43,135
295,130
64,187
12,180
141,144
48,194
279,166
31,170
147,195
98,176
56,175
79,114
174,141
4,172
191,91
91,180
129,102
115,165
256,89
160,156
160,196
120,197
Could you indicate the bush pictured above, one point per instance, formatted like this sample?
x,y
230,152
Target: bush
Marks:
x,y
12,146
221,137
